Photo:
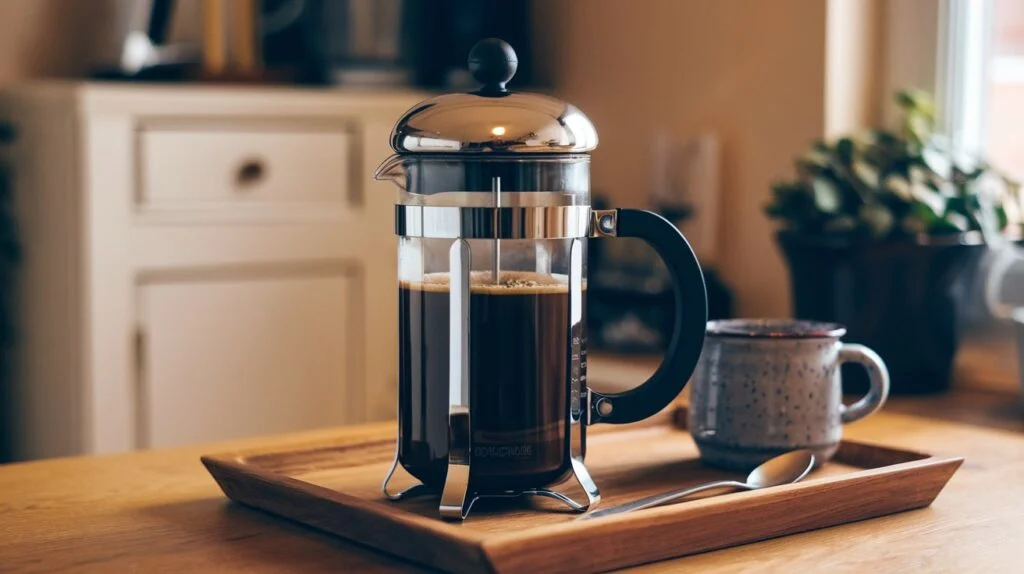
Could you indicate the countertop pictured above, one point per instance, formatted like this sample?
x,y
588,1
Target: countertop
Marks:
x,y
159,511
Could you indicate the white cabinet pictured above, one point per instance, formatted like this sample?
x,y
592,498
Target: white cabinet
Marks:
x,y
200,263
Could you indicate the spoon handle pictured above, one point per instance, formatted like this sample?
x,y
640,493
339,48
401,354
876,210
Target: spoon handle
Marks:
x,y
663,498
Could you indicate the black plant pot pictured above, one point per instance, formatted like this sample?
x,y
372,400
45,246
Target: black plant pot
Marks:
x,y
899,298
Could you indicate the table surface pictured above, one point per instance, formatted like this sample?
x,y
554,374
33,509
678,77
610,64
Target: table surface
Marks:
x,y
159,511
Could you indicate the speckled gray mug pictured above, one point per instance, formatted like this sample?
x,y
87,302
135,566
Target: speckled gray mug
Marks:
x,y
768,386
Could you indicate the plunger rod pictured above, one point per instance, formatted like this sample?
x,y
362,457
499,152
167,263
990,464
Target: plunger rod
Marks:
x,y
496,265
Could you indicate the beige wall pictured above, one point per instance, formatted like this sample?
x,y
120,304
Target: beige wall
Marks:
x,y
911,39
66,38
751,71
855,67
52,37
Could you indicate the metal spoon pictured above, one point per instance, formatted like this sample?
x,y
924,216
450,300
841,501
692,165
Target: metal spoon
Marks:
x,y
783,469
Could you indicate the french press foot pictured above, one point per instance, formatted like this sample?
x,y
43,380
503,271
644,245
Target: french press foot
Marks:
x,y
415,490
458,503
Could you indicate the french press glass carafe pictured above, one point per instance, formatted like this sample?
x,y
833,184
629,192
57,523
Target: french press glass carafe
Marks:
x,y
493,218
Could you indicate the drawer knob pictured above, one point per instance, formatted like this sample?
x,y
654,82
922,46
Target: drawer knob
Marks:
x,y
251,172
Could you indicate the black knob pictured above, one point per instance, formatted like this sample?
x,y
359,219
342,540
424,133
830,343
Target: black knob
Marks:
x,y
493,63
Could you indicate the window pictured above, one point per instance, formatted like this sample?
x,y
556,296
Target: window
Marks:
x,y
980,88
981,79
1004,126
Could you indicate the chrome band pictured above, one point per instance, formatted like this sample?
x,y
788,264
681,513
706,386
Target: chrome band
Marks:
x,y
455,499
444,222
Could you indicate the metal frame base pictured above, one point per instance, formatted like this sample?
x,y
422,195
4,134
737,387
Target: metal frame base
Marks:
x,y
469,498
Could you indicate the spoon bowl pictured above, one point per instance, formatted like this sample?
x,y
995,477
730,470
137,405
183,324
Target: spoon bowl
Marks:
x,y
783,469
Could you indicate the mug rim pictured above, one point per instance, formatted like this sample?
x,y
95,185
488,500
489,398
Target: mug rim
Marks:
x,y
774,329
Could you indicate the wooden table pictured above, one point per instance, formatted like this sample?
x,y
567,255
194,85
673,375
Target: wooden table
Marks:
x,y
159,511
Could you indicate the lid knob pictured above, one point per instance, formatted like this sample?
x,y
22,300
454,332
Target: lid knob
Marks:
x,y
493,63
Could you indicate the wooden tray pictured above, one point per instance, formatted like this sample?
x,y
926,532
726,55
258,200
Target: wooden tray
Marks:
x,y
335,486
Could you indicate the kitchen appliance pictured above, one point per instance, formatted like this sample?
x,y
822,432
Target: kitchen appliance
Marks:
x,y
146,51
493,218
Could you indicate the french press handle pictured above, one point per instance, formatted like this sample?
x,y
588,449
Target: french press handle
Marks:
x,y
691,316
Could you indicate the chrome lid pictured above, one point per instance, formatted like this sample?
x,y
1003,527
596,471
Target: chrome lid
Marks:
x,y
493,119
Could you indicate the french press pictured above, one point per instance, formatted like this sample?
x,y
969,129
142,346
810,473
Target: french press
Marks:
x,y
493,218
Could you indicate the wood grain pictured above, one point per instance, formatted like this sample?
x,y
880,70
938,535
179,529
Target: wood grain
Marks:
x,y
335,487
159,511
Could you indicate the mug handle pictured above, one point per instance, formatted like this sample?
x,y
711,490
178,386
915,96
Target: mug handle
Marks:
x,y
878,376
691,316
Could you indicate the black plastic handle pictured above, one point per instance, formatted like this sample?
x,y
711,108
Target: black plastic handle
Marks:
x,y
691,317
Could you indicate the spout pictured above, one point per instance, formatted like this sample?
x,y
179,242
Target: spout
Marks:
x,y
393,170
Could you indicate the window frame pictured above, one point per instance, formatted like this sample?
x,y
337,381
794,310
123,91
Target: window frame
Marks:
x,y
964,61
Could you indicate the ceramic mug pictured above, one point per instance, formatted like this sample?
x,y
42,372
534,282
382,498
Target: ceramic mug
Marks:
x,y
768,386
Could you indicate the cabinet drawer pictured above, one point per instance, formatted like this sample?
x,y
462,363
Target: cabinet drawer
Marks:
x,y
234,165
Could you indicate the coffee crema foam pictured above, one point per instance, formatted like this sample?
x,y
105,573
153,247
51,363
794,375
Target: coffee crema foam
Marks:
x,y
509,283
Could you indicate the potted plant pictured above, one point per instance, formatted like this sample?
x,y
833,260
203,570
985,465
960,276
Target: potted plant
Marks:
x,y
877,229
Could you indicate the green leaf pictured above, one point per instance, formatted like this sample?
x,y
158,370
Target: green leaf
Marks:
x,y
913,224
938,162
826,195
921,219
878,219
917,175
844,150
886,138
841,224
899,186
947,189
813,157
928,198
918,128
866,173
916,102
957,221
1002,217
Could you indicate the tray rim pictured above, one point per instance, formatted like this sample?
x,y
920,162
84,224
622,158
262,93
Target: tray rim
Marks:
x,y
697,505
484,548
236,462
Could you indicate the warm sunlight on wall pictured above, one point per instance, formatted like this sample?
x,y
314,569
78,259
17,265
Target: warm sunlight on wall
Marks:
x,y
49,37
753,72
66,38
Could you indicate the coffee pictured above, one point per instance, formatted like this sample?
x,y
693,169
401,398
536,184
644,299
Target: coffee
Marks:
x,y
518,364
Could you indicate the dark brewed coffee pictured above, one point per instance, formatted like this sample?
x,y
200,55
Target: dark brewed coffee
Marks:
x,y
518,336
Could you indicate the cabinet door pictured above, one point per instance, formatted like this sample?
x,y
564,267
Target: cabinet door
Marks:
x,y
224,357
